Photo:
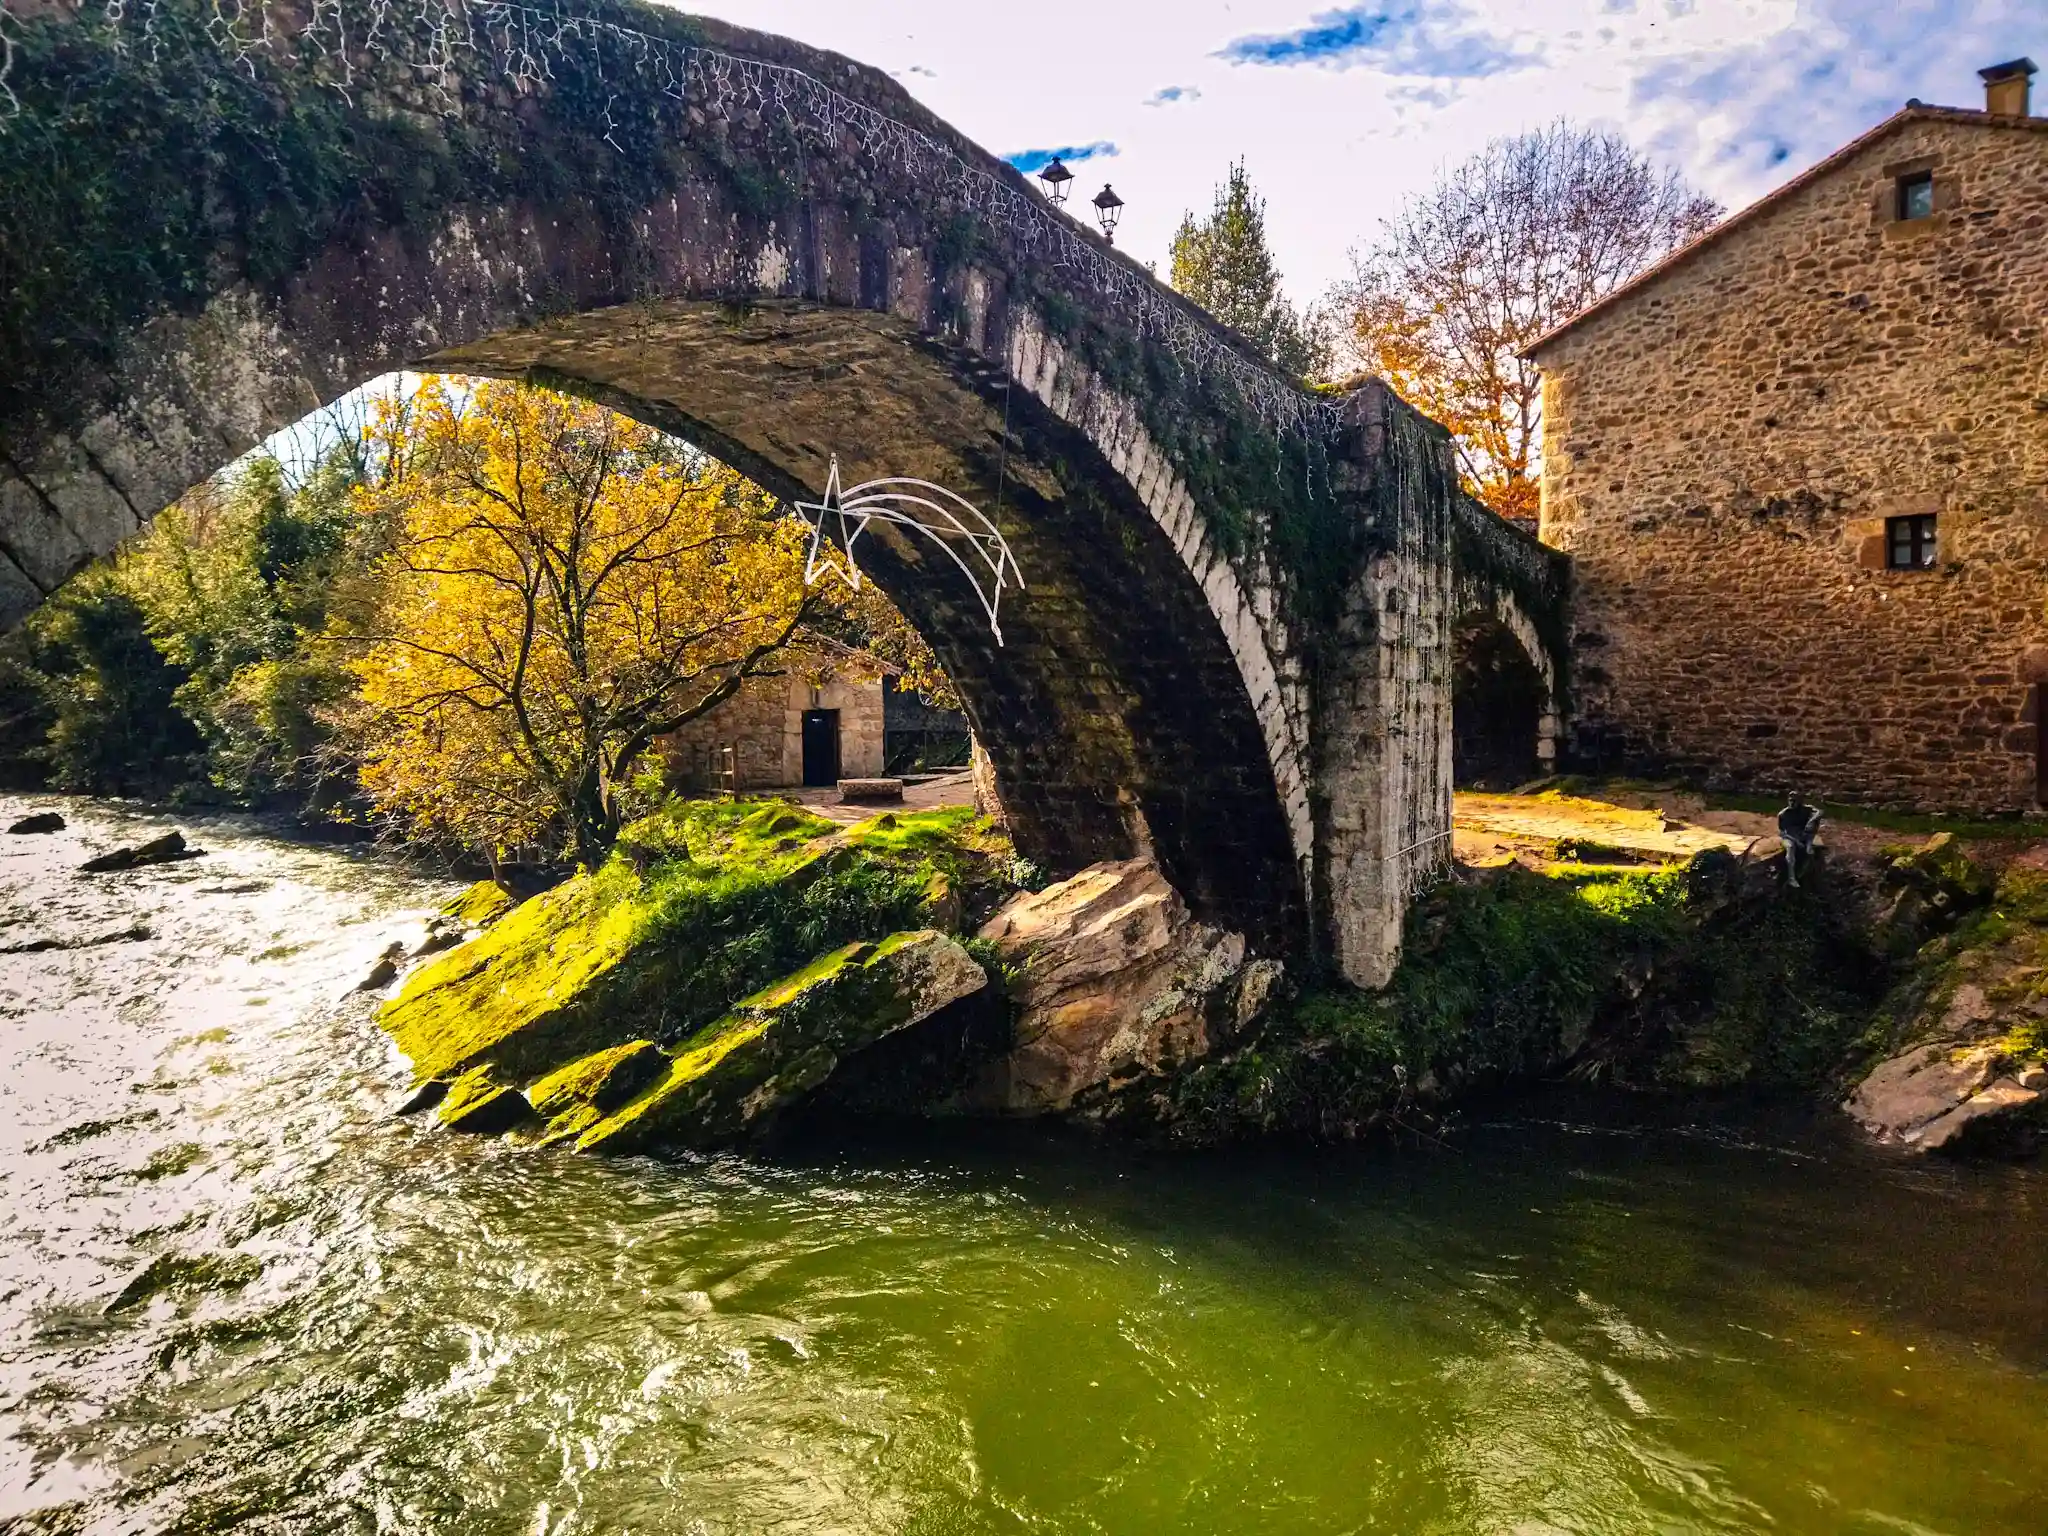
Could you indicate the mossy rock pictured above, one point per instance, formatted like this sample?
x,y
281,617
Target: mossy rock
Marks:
x,y
1933,886
514,996
481,905
706,904
1987,981
1940,865
603,1080
480,1106
732,1080
2022,894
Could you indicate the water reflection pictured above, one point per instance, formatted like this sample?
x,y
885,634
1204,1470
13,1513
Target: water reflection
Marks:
x,y
350,1323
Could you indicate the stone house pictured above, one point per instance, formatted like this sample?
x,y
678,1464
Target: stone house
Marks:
x,y
786,731
1801,467
850,721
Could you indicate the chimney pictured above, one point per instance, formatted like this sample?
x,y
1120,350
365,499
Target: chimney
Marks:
x,y
2006,87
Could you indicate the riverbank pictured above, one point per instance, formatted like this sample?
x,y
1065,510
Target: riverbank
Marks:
x,y
1589,940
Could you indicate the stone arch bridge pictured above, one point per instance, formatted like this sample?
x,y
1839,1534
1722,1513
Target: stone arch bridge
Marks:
x,y
1233,649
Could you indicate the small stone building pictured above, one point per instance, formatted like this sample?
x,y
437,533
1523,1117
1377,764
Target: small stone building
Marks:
x,y
1801,467
785,732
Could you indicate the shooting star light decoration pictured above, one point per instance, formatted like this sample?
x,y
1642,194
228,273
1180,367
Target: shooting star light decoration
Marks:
x,y
948,520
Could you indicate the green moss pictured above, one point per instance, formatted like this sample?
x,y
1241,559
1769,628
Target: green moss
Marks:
x,y
1941,864
1260,488
597,1079
733,1076
1688,978
922,831
481,905
2002,950
137,167
478,1102
1492,554
2021,896
516,994
705,903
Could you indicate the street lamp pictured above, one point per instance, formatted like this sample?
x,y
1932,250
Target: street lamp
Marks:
x,y
1108,209
1056,177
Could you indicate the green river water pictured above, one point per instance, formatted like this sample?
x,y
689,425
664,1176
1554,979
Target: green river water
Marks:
x,y
1555,1323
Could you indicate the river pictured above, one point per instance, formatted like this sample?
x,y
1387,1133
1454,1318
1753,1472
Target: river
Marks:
x,y
236,1294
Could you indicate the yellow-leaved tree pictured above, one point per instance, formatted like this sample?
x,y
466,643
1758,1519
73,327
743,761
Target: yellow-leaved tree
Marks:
x,y
564,587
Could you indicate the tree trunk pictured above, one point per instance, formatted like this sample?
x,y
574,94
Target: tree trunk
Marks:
x,y
595,817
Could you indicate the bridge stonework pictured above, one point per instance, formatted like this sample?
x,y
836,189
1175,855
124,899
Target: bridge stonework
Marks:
x,y
1233,646
1526,586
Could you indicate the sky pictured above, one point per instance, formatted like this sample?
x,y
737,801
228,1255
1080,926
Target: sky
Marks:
x,y
1340,111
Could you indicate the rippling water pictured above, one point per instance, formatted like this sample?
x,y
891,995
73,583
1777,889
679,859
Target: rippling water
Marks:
x,y
335,1321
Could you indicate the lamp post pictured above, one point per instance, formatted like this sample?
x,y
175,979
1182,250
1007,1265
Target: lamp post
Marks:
x,y
1108,209
1057,179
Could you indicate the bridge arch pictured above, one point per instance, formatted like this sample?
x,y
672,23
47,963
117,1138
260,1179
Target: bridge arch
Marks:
x,y
1511,604
1230,650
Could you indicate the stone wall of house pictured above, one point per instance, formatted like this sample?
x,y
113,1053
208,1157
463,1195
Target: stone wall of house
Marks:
x,y
1725,444
763,726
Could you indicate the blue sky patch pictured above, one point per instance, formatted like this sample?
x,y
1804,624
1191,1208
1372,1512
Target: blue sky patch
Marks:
x,y
1168,95
1032,161
1432,38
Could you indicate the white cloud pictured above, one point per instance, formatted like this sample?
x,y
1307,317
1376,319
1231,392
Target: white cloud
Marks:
x,y
1718,89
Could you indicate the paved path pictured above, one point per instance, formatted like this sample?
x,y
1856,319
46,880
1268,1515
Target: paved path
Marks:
x,y
1489,829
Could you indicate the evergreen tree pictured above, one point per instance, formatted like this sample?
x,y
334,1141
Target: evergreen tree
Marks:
x,y
1224,264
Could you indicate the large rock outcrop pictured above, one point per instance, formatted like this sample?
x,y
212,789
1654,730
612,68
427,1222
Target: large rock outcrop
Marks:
x,y
1950,1097
1967,1068
1112,981
733,1080
736,1077
679,995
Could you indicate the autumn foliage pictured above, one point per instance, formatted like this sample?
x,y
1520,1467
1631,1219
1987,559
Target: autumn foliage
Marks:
x,y
1498,251
564,587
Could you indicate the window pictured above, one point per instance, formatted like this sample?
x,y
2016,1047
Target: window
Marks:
x,y
1909,542
1916,195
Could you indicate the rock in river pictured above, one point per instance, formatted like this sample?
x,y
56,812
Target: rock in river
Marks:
x,y
168,849
641,1004
1113,981
1968,1070
732,1079
42,821
1939,1096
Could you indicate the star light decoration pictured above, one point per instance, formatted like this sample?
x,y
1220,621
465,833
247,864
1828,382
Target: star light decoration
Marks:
x,y
948,520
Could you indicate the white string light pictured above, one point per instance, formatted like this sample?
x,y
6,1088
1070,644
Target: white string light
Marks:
x,y
520,41
948,520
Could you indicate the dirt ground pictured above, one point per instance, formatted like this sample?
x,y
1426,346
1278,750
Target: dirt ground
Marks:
x,y
921,792
1619,826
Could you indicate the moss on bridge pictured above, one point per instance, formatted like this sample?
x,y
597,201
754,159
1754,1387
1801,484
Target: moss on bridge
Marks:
x,y
143,168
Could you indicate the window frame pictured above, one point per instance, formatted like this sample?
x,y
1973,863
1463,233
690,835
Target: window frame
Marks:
x,y
1921,542
1904,188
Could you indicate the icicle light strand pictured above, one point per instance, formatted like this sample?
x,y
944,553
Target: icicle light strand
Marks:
x,y
519,42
